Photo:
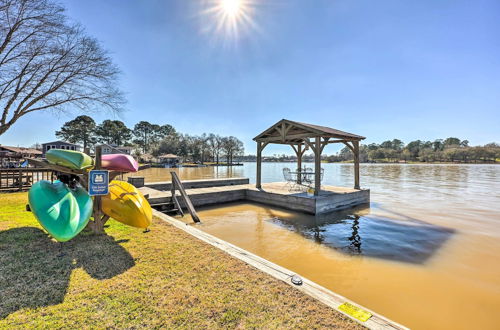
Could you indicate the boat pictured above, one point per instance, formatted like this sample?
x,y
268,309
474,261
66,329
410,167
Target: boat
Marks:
x,y
119,162
63,212
126,204
74,160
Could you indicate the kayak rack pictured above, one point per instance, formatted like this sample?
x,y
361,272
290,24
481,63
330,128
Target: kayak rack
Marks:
x,y
177,185
100,219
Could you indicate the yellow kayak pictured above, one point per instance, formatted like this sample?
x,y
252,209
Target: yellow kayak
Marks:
x,y
126,204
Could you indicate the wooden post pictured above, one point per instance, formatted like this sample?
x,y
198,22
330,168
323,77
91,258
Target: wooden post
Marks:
x,y
299,163
258,183
356,164
317,166
20,180
100,219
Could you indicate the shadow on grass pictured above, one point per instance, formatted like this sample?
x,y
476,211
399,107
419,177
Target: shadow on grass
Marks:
x,y
32,274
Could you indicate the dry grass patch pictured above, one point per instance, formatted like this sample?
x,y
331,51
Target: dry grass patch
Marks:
x,y
130,279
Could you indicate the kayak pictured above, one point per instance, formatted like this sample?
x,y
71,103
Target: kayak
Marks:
x,y
74,160
126,204
119,162
62,212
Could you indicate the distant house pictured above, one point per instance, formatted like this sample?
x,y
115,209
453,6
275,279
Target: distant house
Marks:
x,y
115,149
169,160
60,145
15,156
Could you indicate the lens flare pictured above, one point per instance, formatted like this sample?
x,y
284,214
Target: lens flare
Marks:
x,y
231,7
229,19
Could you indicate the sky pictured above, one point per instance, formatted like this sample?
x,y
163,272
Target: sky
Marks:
x,y
383,69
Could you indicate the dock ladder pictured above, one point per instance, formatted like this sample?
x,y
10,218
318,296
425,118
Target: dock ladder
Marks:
x,y
177,185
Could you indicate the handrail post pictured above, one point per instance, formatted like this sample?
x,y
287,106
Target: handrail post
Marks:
x,y
20,180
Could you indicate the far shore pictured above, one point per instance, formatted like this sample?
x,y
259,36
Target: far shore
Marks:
x,y
381,162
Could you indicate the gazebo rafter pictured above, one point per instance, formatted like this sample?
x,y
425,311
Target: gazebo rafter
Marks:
x,y
301,136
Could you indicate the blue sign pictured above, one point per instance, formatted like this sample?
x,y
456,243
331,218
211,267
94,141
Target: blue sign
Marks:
x,y
98,182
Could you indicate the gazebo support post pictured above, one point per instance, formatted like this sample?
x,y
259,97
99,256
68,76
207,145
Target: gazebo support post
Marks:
x,y
299,163
258,182
356,164
317,166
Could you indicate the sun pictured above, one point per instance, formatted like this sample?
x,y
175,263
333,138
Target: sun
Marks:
x,y
229,19
231,7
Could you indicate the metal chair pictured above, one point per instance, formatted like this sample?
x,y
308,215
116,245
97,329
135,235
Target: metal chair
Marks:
x,y
313,178
291,180
307,178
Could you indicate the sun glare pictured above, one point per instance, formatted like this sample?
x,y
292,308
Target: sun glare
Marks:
x,y
229,19
231,7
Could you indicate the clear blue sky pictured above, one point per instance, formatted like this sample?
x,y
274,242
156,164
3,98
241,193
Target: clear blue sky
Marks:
x,y
422,69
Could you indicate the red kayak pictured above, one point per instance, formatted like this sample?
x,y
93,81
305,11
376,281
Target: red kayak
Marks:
x,y
119,162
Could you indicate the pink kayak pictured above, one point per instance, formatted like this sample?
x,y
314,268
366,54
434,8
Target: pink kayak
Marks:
x,y
119,162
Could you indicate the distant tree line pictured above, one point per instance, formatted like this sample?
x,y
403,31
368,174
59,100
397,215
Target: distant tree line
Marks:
x,y
448,150
152,139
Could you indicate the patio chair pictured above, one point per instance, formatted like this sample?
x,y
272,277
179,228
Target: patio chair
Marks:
x,y
312,178
291,180
307,178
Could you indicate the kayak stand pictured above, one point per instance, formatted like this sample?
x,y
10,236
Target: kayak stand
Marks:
x,y
97,225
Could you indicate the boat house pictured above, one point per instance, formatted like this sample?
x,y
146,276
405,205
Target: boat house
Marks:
x,y
14,156
169,160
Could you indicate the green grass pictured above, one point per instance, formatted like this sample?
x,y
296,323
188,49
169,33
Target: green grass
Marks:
x,y
130,279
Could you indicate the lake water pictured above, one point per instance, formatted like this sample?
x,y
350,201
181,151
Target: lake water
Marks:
x,y
426,253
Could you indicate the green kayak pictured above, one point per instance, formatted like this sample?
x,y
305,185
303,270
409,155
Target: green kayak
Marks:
x,y
62,212
74,160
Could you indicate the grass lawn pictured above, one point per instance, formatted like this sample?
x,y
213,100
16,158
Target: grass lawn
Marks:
x,y
130,279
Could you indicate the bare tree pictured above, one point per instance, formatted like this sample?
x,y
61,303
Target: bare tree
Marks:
x,y
215,146
232,146
47,63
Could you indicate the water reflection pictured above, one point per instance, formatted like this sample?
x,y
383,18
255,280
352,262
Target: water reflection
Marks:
x,y
408,241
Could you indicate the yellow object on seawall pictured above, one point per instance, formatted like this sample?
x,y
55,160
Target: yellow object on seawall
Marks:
x,y
126,204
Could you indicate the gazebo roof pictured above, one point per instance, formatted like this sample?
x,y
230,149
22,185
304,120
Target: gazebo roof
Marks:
x,y
287,131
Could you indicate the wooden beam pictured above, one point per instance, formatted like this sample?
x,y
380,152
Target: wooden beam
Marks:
x,y
299,162
356,164
288,137
317,166
349,145
325,142
311,145
258,183
288,129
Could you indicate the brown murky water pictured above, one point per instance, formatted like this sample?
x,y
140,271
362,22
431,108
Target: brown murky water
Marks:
x,y
426,253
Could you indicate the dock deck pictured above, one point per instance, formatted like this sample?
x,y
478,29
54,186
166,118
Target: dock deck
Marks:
x,y
330,198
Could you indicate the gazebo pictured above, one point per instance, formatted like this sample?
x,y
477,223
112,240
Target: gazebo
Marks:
x,y
301,136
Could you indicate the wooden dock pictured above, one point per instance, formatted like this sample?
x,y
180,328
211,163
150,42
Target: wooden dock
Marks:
x,y
329,199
